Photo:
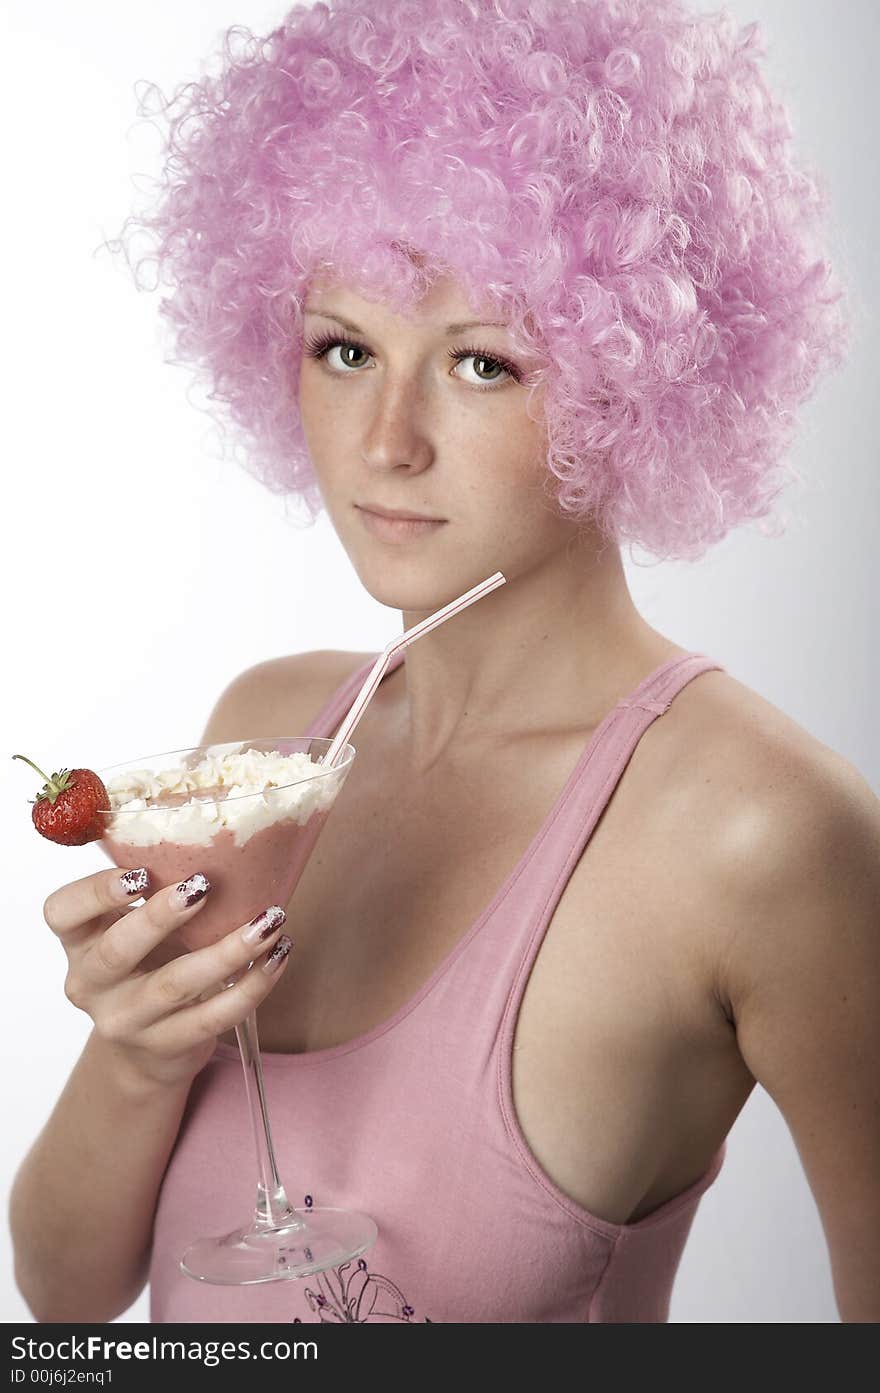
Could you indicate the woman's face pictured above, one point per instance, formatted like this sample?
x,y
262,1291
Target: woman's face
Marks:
x,y
393,420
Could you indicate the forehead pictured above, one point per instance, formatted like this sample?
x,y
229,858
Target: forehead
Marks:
x,y
444,301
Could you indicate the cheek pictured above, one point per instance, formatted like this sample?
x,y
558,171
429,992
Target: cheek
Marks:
x,y
311,397
304,407
503,439
523,461
525,490
321,435
515,503
505,478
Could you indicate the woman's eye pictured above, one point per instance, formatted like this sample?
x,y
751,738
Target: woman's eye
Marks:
x,y
322,346
348,351
485,368
486,371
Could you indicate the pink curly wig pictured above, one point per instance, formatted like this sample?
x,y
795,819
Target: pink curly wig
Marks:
x,y
612,176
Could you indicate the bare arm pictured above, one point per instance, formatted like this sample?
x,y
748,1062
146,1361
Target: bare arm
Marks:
x,y
803,981
83,1201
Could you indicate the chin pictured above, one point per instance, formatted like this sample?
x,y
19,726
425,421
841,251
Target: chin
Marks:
x,y
413,596
412,584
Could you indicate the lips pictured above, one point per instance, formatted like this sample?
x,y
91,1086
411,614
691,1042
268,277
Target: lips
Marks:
x,y
399,529
397,515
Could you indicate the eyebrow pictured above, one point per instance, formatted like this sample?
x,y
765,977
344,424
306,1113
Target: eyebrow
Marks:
x,y
450,328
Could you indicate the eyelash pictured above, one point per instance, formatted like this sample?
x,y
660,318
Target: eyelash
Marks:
x,y
319,346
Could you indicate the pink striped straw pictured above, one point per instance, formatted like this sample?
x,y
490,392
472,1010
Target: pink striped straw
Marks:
x,y
374,677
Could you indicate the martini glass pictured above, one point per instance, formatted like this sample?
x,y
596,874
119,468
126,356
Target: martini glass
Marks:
x,y
252,839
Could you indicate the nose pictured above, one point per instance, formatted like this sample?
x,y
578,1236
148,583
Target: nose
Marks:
x,y
396,437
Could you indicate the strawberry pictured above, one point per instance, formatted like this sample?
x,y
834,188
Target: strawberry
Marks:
x,y
72,806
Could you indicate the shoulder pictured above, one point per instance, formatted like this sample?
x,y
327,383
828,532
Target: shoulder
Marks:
x,y
783,880
279,694
781,832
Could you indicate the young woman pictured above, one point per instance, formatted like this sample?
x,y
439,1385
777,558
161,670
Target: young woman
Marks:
x,y
545,277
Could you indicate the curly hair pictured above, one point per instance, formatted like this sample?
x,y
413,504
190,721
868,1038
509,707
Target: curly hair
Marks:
x,y
612,176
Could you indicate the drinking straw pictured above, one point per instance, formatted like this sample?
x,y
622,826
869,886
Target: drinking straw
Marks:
x,y
374,677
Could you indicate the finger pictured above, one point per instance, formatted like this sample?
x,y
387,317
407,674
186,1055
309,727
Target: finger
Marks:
x,y
121,948
183,981
192,1025
77,905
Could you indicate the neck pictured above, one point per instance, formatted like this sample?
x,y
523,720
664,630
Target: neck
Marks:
x,y
553,648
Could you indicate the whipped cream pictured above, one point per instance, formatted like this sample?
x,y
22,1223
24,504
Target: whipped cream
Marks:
x,y
256,789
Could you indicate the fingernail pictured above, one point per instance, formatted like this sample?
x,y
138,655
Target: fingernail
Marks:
x,y
266,922
135,882
188,892
279,954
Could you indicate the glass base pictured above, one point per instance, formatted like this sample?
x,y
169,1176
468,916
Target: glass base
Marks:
x,y
309,1242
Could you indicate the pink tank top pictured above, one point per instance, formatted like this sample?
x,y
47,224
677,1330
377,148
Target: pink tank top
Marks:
x,y
413,1123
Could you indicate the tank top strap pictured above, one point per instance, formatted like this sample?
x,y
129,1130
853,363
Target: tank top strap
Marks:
x,y
593,780
326,722
659,688
548,864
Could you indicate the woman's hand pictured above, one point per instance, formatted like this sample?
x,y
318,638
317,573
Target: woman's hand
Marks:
x,y
144,999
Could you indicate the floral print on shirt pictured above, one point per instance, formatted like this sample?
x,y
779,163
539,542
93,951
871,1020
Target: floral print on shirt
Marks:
x,y
354,1296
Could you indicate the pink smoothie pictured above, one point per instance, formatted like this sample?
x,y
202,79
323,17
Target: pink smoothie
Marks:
x,y
244,879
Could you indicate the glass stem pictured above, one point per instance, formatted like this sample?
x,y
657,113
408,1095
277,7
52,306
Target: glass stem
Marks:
x,y
273,1206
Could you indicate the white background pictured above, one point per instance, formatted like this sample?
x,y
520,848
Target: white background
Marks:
x,y
140,573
